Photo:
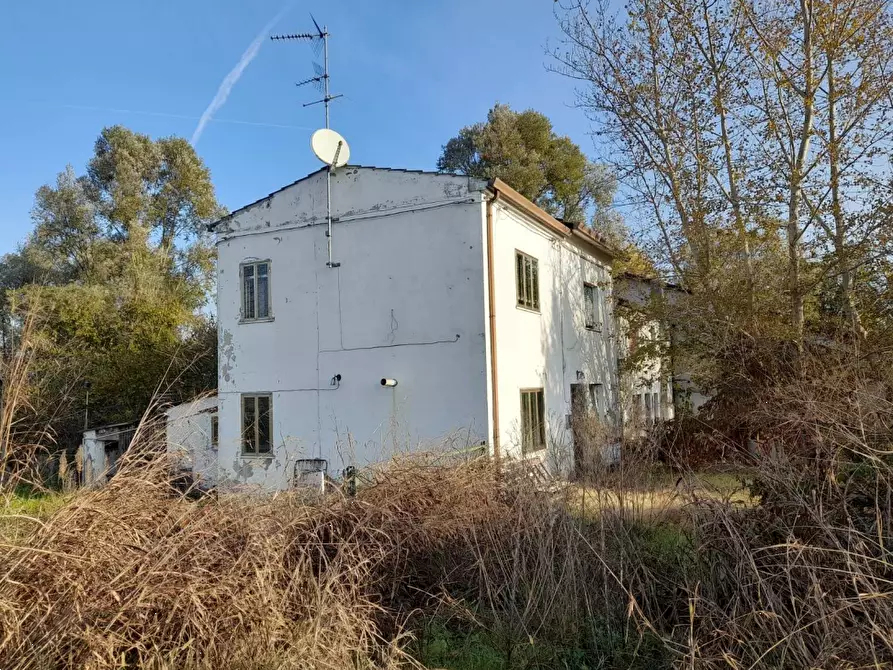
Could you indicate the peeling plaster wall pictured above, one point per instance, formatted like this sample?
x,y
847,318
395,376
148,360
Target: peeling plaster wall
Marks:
x,y
94,459
551,348
406,303
189,438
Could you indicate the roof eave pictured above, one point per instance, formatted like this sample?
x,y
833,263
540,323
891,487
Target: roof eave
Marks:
x,y
540,215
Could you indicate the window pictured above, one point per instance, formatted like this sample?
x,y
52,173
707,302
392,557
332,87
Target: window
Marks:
x,y
215,431
597,400
655,406
256,291
533,425
593,307
527,278
256,423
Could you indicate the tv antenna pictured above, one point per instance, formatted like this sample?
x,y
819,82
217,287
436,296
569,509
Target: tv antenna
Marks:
x,y
320,42
328,145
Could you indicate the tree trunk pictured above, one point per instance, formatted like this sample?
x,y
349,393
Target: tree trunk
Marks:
x,y
795,195
734,194
847,302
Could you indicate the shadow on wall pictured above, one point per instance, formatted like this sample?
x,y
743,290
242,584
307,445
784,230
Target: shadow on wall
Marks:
x,y
579,353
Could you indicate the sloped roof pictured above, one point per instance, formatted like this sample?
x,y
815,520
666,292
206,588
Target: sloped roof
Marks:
x,y
542,216
505,191
313,174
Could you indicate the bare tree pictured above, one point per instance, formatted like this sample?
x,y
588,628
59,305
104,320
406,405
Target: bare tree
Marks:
x,y
735,121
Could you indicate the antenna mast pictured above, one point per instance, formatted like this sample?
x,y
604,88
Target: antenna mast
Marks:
x,y
319,40
333,158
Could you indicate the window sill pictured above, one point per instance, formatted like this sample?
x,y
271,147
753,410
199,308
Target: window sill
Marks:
x,y
594,329
256,457
527,309
267,319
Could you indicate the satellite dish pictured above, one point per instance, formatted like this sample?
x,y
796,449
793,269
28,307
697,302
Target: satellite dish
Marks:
x,y
330,147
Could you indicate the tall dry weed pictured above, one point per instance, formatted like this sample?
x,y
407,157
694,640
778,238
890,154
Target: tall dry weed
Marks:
x,y
637,567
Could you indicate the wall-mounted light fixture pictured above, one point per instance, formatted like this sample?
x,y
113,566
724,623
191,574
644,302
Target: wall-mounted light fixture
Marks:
x,y
388,382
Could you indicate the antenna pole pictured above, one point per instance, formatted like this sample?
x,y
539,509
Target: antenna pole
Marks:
x,y
325,47
329,213
329,169
322,78
321,34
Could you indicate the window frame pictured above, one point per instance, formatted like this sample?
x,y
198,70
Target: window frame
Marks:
x,y
243,318
597,400
592,319
531,292
540,397
215,430
255,452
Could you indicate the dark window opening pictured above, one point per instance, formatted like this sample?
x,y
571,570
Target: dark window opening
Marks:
x,y
256,424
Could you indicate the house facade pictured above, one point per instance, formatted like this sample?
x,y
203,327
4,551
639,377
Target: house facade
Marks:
x,y
454,314
655,384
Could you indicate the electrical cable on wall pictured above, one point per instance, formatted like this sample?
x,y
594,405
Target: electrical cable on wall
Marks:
x,y
391,346
334,385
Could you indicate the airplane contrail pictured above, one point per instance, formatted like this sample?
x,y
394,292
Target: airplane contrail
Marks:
x,y
230,80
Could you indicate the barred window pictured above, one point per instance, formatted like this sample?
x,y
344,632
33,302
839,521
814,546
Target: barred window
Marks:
x,y
256,291
527,281
257,423
533,425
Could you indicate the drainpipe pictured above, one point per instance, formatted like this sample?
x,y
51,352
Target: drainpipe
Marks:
x,y
491,297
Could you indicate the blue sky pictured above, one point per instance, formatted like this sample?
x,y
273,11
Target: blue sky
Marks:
x,y
412,72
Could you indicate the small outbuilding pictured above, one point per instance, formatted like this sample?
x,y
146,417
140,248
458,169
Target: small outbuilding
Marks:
x,y
101,449
192,438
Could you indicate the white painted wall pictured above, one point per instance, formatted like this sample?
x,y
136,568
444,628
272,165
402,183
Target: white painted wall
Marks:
x,y
676,390
407,303
189,438
98,462
551,348
650,381
94,459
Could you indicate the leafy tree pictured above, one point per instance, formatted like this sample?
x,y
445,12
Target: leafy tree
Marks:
x,y
117,270
522,149
754,135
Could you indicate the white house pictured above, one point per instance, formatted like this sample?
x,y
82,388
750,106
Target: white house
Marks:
x,y
192,438
454,312
658,386
646,378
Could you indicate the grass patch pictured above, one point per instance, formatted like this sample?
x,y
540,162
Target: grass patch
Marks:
x,y
25,507
601,645
659,492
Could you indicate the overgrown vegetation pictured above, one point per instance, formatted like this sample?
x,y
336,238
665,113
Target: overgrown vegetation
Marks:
x,y
111,283
460,564
755,135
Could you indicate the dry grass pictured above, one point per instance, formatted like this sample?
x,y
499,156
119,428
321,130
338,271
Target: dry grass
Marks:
x,y
134,574
138,575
